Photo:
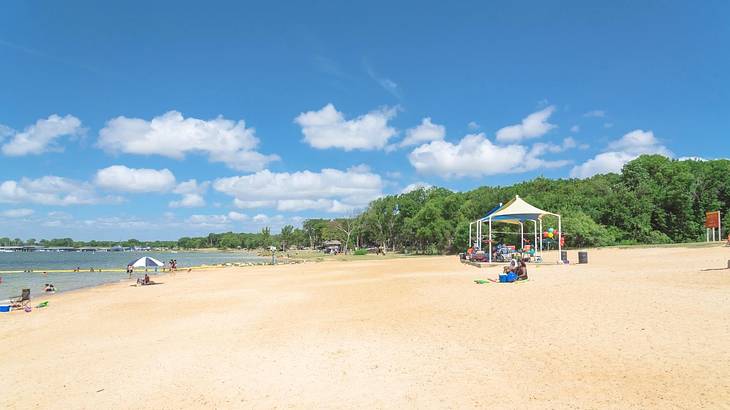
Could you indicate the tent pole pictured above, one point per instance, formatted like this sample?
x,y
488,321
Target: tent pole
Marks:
x,y
469,244
541,235
560,235
479,235
490,239
534,244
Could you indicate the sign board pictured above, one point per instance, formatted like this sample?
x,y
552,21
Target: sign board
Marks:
x,y
712,219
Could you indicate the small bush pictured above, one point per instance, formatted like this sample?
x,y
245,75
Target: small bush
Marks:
x,y
360,252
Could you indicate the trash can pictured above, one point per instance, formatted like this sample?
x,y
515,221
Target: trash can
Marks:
x,y
583,257
564,256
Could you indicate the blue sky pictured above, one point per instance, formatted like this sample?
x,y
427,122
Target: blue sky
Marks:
x,y
163,119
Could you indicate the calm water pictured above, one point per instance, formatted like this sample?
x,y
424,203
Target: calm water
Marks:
x,y
12,283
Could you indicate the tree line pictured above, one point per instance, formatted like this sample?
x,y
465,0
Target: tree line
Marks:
x,y
653,200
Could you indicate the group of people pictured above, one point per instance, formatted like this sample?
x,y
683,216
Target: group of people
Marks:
x,y
78,269
518,267
172,264
49,288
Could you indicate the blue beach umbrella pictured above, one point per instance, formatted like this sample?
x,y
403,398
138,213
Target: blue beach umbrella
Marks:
x,y
146,262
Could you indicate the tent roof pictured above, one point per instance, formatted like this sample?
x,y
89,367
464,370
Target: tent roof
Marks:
x,y
517,210
146,261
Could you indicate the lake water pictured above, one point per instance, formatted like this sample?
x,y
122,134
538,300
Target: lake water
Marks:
x,y
60,266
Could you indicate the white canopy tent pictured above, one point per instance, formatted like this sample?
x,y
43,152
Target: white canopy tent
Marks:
x,y
516,211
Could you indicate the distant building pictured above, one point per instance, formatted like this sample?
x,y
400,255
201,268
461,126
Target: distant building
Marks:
x,y
331,246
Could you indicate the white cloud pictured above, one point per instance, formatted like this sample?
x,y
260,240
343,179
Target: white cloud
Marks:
x,y
414,186
192,194
41,136
172,135
188,201
473,126
17,213
540,148
330,190
50,190
639,142
533,126
122,178
595,114
424,132
260,218
328,128
237,216
475,155
621,151
575,128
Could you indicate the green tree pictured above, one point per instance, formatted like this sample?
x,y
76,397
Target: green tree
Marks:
x,y
286,236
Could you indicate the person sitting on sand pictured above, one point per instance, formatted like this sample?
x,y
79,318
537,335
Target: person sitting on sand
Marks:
x,y
511,268
521,270
146,279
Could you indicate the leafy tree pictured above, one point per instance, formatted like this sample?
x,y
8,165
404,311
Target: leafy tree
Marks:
x,y
286,236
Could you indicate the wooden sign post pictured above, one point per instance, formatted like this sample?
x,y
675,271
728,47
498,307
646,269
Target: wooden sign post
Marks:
x,y
712,223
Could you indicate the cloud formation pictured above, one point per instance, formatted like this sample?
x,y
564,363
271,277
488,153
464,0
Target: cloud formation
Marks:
x,y
329,190
17,213
135,180
328,128
51,190
427,131
171,135
619,152
192,194
533,126
40,137
475,155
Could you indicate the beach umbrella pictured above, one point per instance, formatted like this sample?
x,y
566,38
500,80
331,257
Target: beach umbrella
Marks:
x,y
145,262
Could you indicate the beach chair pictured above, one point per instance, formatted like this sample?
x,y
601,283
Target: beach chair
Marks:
x,y
22,301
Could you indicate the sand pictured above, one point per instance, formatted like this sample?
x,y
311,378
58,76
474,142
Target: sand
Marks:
x,y
635,328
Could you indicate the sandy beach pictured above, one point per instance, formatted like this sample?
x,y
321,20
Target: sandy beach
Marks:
x,y
635,328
